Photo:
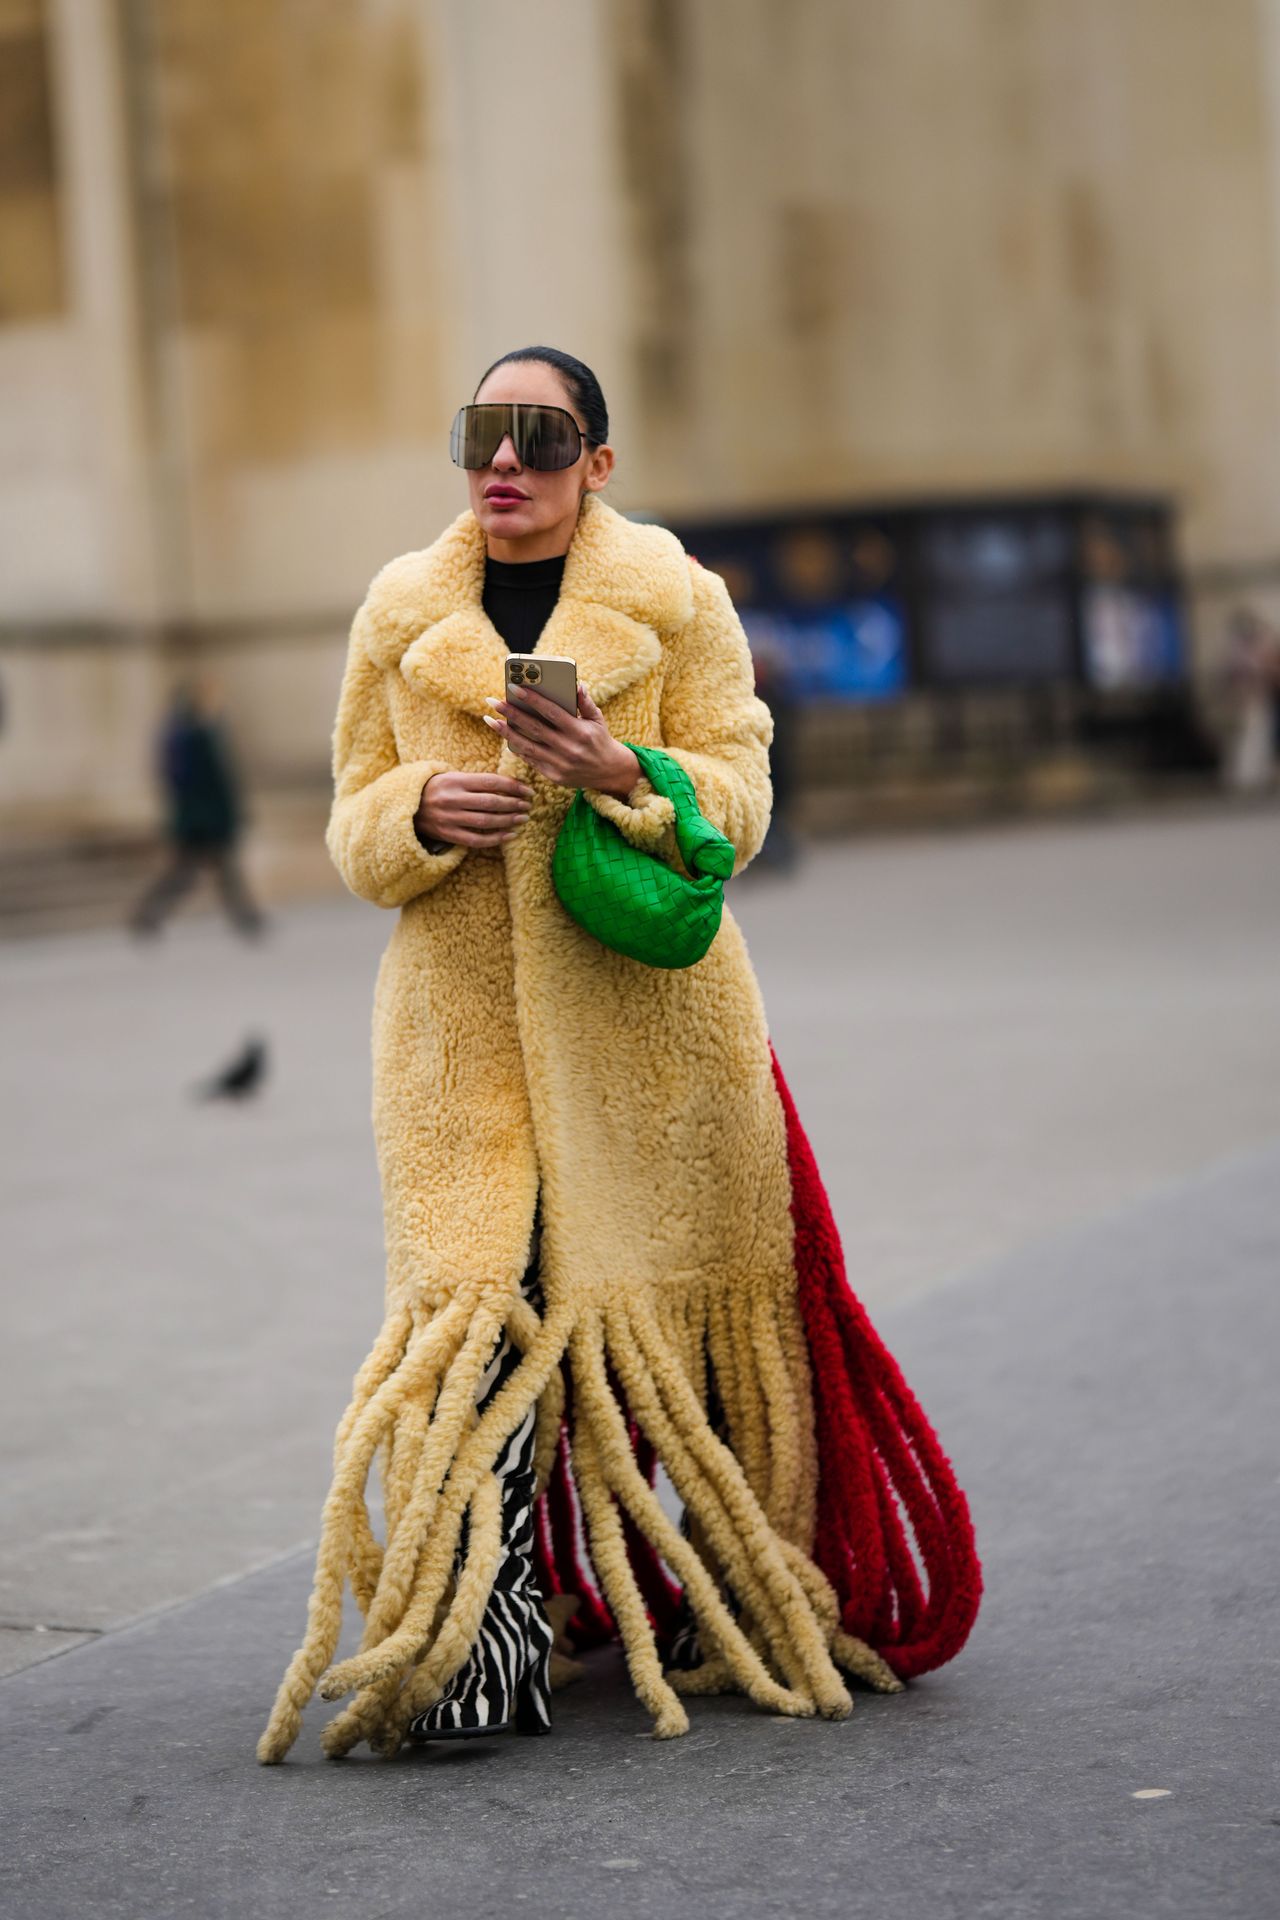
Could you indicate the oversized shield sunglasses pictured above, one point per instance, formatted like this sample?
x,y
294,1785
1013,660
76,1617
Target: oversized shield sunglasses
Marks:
x,y
546,438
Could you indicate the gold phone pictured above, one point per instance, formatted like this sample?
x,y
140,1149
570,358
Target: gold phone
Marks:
x,y
545,674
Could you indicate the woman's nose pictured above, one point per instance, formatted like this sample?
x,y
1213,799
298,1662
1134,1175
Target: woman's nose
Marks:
x,y
506,455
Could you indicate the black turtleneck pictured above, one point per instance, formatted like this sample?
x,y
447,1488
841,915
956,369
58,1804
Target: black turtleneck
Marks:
x,y
519,595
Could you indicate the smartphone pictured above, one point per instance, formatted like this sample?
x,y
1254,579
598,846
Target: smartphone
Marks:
x,y
546,674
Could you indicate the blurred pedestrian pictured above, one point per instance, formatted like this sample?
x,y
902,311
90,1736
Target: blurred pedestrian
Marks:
x,y
204,816
1252,677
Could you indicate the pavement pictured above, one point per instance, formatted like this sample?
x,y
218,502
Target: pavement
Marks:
x,y
1039,1070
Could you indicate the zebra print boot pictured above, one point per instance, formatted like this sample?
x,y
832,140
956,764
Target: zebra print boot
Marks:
x,y
505,1681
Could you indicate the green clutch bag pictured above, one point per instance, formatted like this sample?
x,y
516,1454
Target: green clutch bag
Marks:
x,y
631,900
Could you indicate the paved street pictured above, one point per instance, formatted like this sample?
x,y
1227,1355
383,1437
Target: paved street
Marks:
x,y
1041,1070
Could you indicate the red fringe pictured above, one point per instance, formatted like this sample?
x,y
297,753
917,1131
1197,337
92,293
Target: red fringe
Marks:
x,y
894,1534
880,1462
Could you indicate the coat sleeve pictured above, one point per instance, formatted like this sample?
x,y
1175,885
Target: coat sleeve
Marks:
x,y
718,728
371,836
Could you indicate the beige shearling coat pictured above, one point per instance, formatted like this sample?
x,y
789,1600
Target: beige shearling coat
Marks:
x,y
512,1049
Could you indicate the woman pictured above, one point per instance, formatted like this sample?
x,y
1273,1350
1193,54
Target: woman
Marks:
x,y
689,1302
1252,678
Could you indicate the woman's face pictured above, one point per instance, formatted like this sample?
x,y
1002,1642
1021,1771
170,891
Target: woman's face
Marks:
x,y
540,521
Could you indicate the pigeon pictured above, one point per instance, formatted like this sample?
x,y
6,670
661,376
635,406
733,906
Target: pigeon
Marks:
x,y
242,1077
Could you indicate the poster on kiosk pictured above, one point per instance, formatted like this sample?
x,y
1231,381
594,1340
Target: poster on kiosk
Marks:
x,y
820,600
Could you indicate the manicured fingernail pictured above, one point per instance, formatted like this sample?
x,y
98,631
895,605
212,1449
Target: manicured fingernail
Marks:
x,y
493,699
491,722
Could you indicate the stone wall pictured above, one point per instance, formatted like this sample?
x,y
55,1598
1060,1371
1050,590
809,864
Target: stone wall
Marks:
x,y
252,257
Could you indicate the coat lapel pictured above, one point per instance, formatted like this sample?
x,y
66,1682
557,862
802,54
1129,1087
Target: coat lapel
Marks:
x,y
624,583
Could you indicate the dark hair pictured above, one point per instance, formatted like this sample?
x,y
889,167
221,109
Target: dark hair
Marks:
x,y
584,388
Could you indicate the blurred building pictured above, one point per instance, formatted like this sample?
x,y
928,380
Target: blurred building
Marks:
x,y
253,255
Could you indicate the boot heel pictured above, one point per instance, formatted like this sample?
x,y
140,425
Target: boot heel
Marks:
x,y
533,1695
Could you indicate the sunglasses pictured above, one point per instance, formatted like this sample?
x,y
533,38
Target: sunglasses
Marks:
x,y
546,438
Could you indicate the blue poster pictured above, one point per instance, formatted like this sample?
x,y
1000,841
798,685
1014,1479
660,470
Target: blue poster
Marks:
x,y
856,651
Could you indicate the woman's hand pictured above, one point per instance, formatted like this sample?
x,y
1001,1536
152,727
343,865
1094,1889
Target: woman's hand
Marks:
x,y
472,809
573,750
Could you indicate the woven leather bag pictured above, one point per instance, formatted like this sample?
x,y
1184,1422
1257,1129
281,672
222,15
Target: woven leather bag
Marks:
x,y
633,901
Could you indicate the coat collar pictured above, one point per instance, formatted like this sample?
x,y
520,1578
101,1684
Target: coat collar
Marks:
x,y
624,582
